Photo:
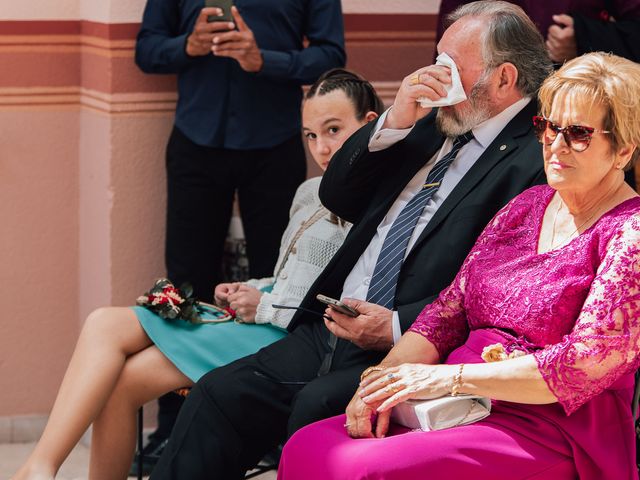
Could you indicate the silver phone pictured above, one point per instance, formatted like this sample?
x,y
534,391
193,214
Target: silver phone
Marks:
x,y
338,306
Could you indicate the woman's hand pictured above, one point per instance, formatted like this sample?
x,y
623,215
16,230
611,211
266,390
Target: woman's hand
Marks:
x,y
363,421
394,385
222,292
245,302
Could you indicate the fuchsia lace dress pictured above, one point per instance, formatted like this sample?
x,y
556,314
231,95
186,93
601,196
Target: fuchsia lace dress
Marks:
x,y
575,308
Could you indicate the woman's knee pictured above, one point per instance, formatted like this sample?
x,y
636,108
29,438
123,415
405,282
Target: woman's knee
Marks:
x,y
99,323
115,327
103,317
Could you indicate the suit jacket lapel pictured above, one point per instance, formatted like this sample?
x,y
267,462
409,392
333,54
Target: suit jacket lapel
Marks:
x,y
421,148
503,145
423,142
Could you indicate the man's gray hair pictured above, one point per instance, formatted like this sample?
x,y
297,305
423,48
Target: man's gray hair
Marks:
x,y
510,37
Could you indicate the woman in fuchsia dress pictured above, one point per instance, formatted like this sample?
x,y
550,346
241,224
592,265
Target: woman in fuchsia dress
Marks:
x,y
555,278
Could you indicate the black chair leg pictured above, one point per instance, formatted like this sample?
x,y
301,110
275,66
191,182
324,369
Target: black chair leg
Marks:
x,y
140,440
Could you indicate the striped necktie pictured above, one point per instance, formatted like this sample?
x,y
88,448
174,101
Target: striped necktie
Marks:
x,y
382,287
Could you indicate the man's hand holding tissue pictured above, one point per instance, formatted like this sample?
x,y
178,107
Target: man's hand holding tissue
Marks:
x,y
433,86
426,82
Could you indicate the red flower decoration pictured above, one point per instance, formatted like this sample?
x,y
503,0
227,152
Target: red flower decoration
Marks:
x,y
170,303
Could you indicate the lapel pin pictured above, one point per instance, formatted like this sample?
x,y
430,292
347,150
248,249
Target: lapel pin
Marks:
x,y
503,148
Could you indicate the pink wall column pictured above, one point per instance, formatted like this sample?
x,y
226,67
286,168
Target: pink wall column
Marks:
x,y
38,254
138,213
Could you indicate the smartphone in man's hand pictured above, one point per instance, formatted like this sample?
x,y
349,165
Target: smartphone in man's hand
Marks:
x,y
224,5
338,306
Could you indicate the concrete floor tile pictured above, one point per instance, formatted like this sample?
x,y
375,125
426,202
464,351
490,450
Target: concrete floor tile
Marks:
x,y
5,430
27,428
12,455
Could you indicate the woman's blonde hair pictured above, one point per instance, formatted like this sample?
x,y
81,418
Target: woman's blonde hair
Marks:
x,y
601,79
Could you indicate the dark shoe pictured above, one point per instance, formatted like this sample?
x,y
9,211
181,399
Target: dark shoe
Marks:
x,y
150,456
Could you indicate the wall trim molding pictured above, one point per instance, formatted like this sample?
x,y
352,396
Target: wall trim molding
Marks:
x,y
368,22
39,98
90,64
56,98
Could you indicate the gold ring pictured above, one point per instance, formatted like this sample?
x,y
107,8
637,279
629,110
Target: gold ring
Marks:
x,y
414,80
369,370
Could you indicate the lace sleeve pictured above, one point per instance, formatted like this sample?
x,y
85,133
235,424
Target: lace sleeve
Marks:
x,y
444,322
605,341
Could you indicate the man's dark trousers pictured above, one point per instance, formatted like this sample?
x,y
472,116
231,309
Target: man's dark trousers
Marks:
x,y
220,436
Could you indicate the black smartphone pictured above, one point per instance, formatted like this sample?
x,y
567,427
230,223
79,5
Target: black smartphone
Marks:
x,y
225,5
338,305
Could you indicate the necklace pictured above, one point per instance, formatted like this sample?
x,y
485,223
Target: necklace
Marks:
x,y
565,239
577,229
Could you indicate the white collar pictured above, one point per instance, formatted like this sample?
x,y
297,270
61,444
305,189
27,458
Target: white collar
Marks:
x,y
487,131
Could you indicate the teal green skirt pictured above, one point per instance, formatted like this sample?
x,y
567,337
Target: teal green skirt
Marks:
x,y
198,349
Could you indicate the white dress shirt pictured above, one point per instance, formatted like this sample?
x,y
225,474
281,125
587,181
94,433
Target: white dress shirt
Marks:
x,y
357,282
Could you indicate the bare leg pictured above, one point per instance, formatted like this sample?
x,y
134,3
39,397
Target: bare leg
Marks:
x,y
146,375
109,335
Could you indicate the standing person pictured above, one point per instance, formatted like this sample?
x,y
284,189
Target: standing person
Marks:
x,y
128,356
553,279
237,129
238,412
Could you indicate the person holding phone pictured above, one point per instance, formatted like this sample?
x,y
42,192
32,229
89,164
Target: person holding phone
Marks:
x,y
128,356
240,67
338,306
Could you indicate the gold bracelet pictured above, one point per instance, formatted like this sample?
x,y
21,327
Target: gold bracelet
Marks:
x,y
370,370
457,382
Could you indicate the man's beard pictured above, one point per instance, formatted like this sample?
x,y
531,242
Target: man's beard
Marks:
x,y
452,122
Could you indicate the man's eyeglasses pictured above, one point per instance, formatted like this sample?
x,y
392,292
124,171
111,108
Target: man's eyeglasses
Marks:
x,y
577,137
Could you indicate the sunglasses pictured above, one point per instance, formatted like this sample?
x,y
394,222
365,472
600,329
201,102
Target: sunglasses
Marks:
x,y
577,137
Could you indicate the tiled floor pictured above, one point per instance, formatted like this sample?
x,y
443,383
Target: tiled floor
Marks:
x,y
75,468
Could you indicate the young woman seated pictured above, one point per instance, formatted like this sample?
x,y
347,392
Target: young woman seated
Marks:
x,y
127,356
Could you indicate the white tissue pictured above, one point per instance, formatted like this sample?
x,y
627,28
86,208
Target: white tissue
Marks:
x,y
455,92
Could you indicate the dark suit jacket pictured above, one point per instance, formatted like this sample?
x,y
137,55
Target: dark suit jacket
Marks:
x,y
360,186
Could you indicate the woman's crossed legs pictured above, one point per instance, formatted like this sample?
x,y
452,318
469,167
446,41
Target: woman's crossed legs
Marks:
x,y
115,369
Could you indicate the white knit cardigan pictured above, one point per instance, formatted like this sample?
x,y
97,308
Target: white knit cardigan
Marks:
x,y
311,253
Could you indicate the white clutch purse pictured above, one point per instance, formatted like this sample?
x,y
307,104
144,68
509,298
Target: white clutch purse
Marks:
x,y
441,413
